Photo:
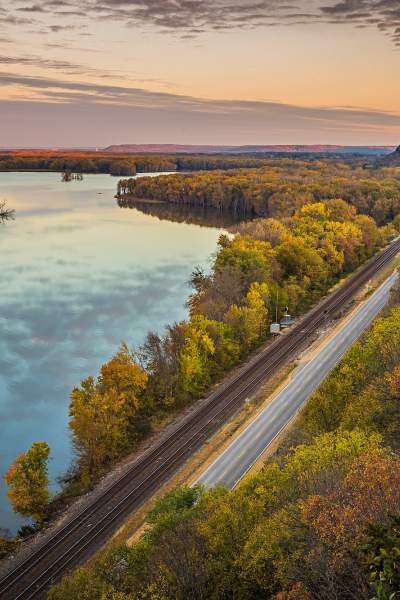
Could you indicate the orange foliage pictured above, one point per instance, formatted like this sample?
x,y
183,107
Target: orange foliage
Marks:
x,y
369,494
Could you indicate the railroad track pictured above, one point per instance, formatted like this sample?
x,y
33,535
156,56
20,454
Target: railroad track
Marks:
x,y
86,532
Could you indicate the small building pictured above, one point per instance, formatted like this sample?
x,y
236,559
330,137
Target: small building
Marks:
x,y
286,321
275,328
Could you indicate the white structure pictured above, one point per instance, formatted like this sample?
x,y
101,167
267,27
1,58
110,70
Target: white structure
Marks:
x,y
275,328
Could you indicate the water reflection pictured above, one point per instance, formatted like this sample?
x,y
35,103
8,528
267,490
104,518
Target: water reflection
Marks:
x,y
205,217
78,275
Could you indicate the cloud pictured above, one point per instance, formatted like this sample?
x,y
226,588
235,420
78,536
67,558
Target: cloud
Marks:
x,y
36,61
70,90
190,18
384,14
33,8
75,113
73,92
68,67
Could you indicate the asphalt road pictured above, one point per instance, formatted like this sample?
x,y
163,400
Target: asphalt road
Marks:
x,y
244,451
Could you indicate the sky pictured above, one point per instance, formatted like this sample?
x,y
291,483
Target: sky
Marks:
x,y
89,73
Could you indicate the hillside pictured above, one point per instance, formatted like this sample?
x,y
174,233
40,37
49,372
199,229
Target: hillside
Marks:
x,y
319,522
199,149
392,159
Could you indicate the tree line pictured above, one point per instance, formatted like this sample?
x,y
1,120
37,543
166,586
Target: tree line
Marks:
x,y
124,164
320,521
129,164
276,190
87,163
296,259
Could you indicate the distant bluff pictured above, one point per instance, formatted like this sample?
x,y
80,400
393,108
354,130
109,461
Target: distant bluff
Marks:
x,y
392,159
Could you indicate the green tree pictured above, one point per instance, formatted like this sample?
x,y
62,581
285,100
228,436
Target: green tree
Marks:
x,y
106,414
28,482
174,503
250,322
195,357
383,555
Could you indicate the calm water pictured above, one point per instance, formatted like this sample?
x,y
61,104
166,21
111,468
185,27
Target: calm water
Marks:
x,y
78,274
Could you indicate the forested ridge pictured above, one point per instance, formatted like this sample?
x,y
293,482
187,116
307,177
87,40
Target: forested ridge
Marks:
x,y
320,521
275,190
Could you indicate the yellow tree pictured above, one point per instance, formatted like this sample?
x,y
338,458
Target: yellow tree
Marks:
x,y
103,412
250,322
194,369
28,483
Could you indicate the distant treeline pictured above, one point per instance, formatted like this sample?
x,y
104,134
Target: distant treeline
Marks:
x,y
87,163
127,165
130,164
278,189
212,163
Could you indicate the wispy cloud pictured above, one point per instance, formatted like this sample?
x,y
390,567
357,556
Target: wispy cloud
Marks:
x,y
36,61
69,68
194,17
99,114
384,14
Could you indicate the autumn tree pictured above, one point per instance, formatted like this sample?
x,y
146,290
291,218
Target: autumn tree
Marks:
x,y
195,356
123,167
28,482
363,390
250,321
105,413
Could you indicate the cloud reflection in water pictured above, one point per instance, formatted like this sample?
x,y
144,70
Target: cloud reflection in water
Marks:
x,y
78,275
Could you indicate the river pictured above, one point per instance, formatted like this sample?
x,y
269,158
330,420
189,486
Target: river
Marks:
x,y
78,275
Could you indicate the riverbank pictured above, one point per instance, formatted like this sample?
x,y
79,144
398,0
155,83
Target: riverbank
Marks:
x,y
79,275
202,349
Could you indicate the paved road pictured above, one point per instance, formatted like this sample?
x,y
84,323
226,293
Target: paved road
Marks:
x,y
238,458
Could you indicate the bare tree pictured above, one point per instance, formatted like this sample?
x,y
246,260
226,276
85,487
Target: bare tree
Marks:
x,y
5,213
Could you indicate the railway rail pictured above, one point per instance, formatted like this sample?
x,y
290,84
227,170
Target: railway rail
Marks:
x,y
86,532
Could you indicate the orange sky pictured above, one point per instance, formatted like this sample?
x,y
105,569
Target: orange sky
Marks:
x,y
199,71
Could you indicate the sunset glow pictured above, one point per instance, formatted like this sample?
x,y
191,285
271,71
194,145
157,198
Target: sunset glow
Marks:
x,y
199,71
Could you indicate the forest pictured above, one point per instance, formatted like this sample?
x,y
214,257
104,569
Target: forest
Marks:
x,y
129,164
120,164
253,542
320,521
296,258
85,162
276,190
